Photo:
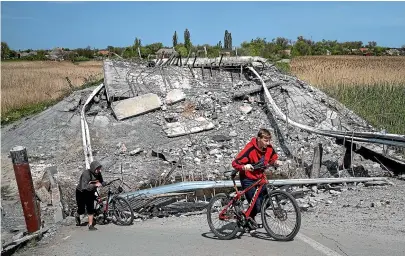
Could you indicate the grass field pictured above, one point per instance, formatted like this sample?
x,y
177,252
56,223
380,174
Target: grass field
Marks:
x,y
27,87
373,87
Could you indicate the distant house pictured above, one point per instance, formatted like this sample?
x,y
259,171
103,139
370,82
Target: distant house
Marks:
x,y
226,52
365,51
393,52
57,54
165,52
26,54
287,52
103,52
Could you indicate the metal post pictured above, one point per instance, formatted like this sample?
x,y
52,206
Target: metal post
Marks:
x,y
219,65
316,162
26,188
195,58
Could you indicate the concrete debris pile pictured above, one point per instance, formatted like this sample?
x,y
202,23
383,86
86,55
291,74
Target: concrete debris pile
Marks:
x,y
201,117
311,197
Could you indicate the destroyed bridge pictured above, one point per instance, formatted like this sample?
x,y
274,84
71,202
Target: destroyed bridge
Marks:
x,y
171,127
182,121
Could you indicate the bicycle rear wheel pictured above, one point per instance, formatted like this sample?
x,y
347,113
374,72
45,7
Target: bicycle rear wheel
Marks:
x,y
225,228
122,210
281,215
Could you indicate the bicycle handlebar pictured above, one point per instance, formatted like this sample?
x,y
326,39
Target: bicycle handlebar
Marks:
x,y
109,183
257,166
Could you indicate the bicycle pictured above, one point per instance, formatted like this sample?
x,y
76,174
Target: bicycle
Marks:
x,y
273,199
120,207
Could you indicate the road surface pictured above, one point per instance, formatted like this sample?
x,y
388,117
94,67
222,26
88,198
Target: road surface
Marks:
x,y
191,236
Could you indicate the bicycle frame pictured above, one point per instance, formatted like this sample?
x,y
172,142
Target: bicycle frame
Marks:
x,y
109,197
99,200
261,183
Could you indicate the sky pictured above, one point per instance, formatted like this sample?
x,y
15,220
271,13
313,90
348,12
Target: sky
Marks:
x,y
46,25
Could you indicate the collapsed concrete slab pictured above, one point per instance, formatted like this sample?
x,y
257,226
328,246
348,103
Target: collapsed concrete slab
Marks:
x,y
115,76
188,127
136,106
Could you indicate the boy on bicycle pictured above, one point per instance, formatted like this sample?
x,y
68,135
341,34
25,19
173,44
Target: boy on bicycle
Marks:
x,y
259,149
89,181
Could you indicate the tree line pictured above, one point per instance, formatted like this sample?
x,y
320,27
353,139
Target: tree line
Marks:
x,y
279,47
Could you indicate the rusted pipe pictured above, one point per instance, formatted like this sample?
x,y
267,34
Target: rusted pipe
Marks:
x,y
26,189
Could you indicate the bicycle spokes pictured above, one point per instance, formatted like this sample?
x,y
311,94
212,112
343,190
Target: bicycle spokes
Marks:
x,y
222,217
122,211
281,216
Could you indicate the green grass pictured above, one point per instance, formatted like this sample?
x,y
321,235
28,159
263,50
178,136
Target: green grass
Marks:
x,y
382,105
283,67
32,109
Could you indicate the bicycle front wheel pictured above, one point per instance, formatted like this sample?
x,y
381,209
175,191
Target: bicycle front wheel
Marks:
x,y
122,210
224,227
281,215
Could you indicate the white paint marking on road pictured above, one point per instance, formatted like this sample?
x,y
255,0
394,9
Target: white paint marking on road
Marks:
x,y
317,246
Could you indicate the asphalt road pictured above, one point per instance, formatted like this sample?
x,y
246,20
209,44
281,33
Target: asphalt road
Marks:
x,y
191,236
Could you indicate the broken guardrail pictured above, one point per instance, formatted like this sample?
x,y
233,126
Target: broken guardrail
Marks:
x,y
196,185
88,154
370,137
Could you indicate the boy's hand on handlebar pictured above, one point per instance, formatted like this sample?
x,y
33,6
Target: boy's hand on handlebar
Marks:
x,y
98,184
247,167
278,163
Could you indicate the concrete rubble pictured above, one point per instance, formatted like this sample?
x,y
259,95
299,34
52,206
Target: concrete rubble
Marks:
x,y
136,106
167,124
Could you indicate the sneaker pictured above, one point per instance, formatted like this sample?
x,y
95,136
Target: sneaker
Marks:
x,y
252,224
92,228
252,231
77,218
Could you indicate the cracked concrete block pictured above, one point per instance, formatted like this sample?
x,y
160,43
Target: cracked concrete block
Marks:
x,y
136,106
192,126
58,213
43,195
175,96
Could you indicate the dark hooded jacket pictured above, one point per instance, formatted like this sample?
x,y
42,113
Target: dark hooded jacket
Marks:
x,y
90,175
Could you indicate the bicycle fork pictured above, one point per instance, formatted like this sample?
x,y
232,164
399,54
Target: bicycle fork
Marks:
x,y
275,206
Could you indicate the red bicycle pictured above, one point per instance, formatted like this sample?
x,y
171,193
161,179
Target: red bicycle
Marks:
x,y
280,213
113,207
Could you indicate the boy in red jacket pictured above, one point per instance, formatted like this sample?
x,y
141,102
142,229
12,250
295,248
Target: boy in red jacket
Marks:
x,y
258,149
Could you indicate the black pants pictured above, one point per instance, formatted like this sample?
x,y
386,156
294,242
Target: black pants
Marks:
x,y
85,200
249,196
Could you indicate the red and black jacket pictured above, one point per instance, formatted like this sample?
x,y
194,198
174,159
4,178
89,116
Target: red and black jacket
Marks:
x,y
251,154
